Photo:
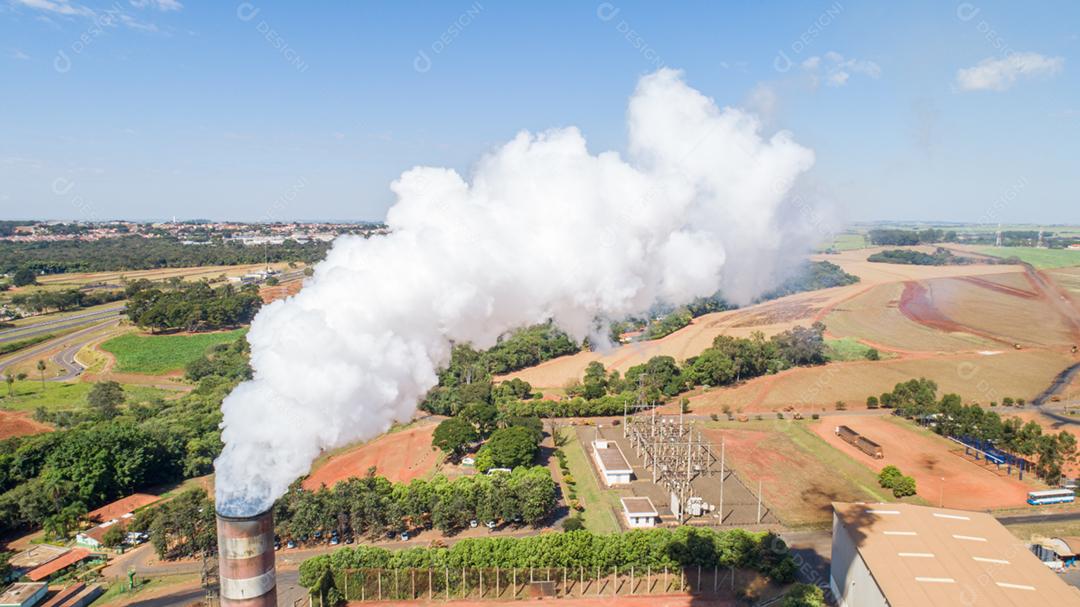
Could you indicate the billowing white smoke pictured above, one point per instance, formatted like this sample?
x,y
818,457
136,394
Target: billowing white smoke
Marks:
x,y
544,230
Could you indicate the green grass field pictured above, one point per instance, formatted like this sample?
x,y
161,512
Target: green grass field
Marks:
x,y
1040,258
849,241
598,502
58,396
158,354
849,348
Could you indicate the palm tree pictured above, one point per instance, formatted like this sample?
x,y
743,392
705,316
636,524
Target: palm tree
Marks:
x,y
10,379
41,370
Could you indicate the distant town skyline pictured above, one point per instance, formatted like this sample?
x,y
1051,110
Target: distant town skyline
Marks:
x,y
268,111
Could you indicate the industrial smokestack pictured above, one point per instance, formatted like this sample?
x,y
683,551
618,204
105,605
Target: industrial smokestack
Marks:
x,y
246,560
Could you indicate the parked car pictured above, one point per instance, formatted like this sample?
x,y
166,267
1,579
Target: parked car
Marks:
x,y
491,525
404,536
291,544
474,523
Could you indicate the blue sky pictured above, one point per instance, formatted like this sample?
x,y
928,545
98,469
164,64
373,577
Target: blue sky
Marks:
x,y
149,109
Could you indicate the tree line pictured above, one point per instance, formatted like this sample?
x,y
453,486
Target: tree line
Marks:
x,y
729,360
191,306
890,236
142,253
917,399
940,257
684,546
371,506
467,378
62,301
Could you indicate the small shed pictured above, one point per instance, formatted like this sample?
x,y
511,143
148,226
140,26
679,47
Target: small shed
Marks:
x,y
639,512
613,466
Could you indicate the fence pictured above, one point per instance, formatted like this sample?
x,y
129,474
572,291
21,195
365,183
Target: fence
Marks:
x,y
449,583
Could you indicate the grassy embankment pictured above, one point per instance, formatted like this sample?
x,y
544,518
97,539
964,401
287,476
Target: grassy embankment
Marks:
x,y
160,354
59,396
598,502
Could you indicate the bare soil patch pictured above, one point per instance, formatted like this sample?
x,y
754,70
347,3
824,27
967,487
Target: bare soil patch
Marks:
x,y
13,423
934,463
399,456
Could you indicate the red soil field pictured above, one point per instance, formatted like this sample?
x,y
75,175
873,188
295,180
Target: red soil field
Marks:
x,y
968,486
399,456
19,424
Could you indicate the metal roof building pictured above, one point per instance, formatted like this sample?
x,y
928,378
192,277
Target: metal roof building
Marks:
x,y
900,555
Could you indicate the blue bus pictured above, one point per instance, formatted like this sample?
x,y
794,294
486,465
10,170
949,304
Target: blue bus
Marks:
x,y
1051,496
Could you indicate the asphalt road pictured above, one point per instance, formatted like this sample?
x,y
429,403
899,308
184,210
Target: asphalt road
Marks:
x,y
51,326
66,358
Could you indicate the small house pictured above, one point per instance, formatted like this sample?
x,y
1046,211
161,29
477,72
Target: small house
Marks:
x,y
613,466
639,512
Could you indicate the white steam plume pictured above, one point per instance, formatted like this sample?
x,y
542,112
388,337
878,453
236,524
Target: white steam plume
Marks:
x,y
544,230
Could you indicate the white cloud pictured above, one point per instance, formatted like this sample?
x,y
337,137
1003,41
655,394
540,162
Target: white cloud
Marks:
x,y
837,69
161,5
18,54
1000,74
59,7
112,16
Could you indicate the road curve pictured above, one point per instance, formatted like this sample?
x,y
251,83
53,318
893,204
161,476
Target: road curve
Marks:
x,y
66,358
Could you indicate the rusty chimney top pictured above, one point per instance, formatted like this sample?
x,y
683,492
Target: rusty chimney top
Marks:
x,y
246,560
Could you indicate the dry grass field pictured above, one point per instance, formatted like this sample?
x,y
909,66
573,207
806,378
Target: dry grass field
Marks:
x,y
797,484
874,317
976,377
76,280
843,309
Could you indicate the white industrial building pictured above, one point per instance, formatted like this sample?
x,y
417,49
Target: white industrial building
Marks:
x,y
639,512
611,462
900,555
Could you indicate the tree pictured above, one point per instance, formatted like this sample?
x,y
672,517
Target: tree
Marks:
x,y
512,447
41,370
904,486
106,397
114,536
871,402
573,523
873,354
804,595
481,415
453,436
10,380
888,476
23,276
595,383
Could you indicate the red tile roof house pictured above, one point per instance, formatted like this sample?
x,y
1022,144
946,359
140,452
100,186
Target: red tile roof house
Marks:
x,y
121,507
46,571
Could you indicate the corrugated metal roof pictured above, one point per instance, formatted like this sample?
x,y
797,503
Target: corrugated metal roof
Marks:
x,y
929,557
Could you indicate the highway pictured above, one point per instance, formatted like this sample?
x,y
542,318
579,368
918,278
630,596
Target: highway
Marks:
x,y
46,327
71,344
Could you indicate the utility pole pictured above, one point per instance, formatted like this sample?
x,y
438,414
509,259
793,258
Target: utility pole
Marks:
x,y
721,481
759,501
